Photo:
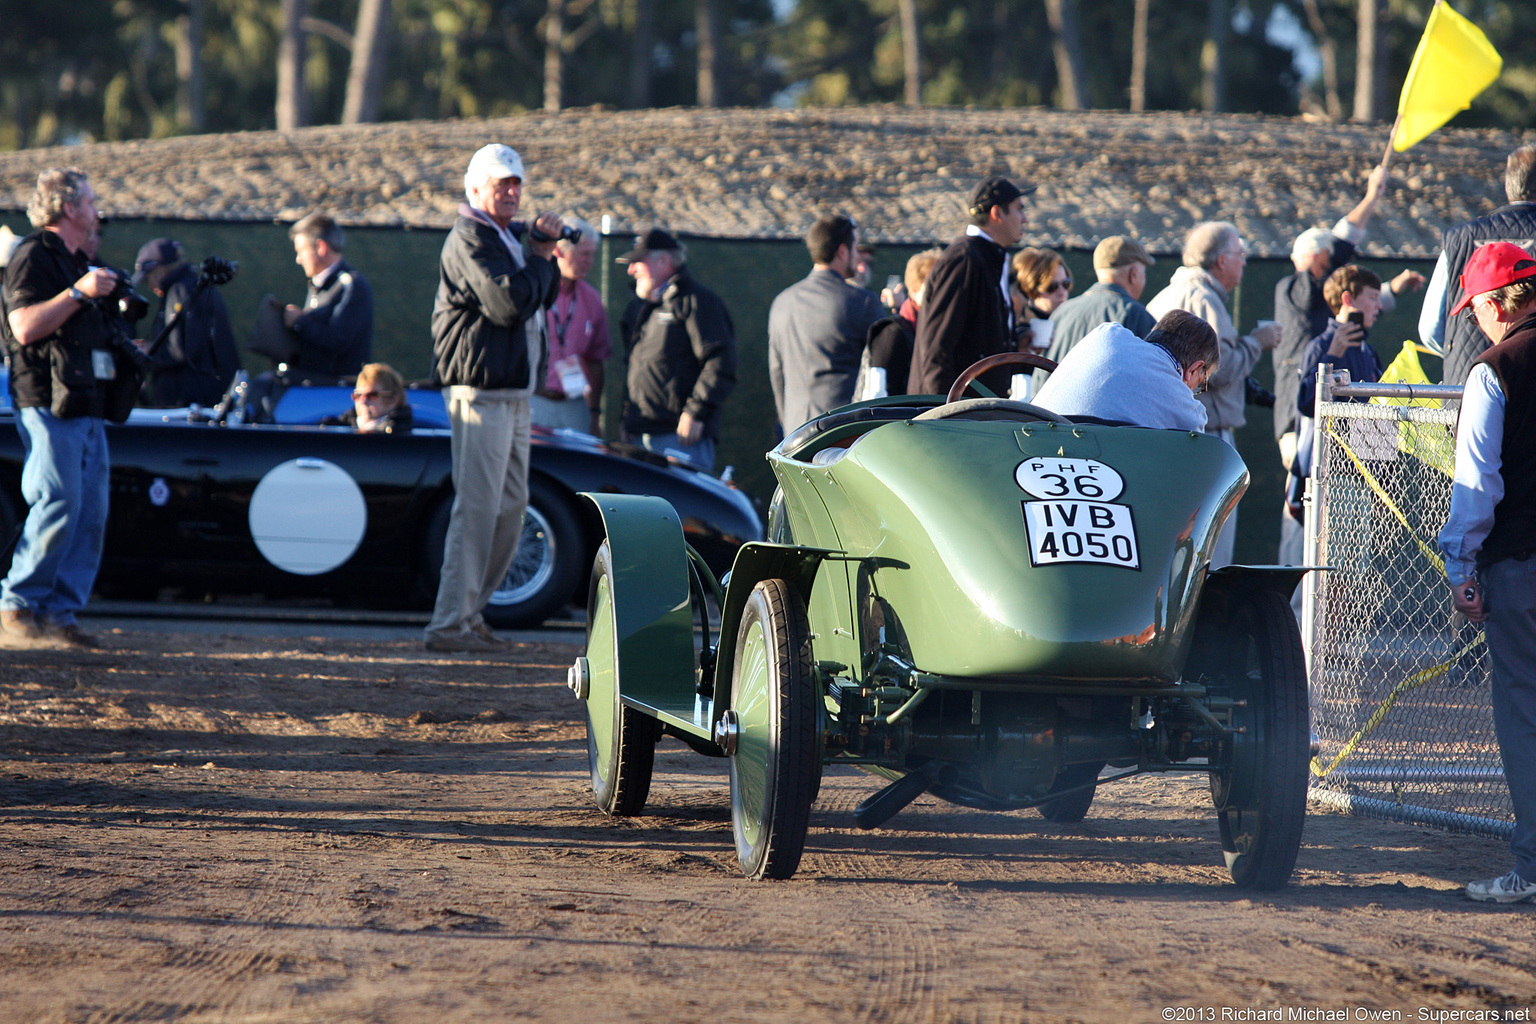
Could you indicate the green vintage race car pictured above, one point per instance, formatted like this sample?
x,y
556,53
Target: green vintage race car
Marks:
x,y
974,598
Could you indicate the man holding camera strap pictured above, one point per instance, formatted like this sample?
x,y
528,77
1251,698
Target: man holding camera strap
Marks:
x,y
496,278
197,358
62,364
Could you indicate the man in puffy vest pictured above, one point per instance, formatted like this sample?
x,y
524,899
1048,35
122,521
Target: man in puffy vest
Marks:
x,y
1490,535
1459,340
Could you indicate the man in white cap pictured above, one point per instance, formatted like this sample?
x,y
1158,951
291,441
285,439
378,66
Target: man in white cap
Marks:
x,y
497,276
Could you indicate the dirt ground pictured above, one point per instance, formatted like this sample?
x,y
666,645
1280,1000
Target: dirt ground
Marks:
x,y
223,828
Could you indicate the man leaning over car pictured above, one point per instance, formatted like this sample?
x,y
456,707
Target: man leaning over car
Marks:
x,y
59,343
497,276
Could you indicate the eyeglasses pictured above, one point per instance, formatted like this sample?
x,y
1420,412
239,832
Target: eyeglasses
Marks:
x,y
1470,313
369,396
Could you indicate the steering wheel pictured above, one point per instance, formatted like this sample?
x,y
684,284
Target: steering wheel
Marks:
x,y
982,366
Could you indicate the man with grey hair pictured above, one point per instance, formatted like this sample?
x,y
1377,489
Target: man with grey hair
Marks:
x,y
59,345
335,327
1460,341
571,396
1214,258
496,278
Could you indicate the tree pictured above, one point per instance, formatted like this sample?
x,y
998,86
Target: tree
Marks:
x,y
370,46
1328,55
190,107
1371,53
1139,55
1068,51
554,54
292,99
707,53
911,54
1213,56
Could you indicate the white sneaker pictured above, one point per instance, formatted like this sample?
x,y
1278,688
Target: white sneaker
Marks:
x,y
1510,888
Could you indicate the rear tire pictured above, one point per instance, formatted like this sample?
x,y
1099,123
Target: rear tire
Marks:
x,y
1260,789
621,742
776,768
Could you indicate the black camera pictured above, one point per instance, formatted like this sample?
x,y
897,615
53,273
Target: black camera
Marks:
x,y
1255,393
567,234
215,270
124,299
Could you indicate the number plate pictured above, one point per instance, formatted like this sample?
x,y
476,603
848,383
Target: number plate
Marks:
x,y
1080,531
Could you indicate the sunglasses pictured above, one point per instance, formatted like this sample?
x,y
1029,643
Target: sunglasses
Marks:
x,y
368,396
1059,286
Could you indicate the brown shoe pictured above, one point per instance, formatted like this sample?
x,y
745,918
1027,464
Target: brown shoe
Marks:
x,y
71,636
19,623
481,630
467,641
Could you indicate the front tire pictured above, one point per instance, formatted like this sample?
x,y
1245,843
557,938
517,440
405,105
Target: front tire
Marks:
x,y
775,769
1260,790
1073,807
621,742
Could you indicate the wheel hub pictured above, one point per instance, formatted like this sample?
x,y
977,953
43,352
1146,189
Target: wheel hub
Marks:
x,y
578,678
726,732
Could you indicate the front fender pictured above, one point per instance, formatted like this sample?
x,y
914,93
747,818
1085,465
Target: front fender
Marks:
x,y
754,563
653,621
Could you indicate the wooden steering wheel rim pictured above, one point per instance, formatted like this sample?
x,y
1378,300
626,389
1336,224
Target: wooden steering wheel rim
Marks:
x,y
982,366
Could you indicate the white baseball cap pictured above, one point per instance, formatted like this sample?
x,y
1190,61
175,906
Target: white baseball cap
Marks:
x,y
493,161
1313,241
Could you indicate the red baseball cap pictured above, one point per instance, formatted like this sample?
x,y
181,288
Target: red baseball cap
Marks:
x,y
1493,266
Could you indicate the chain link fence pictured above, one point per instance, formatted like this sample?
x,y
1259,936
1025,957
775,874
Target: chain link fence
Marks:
x,y
1399,681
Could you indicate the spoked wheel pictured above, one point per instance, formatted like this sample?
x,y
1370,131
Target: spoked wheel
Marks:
x,y
1260,788
775,768
621,742
1074,806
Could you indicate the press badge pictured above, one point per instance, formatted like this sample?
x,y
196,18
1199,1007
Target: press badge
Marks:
x,y
103,366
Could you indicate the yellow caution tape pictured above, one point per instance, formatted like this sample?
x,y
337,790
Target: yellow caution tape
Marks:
x,y
1380,492
1413,682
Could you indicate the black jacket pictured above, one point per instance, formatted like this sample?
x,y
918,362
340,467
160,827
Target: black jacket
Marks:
x,y
484,300
964,317
1302,314
336,331
682,358
41,267
1464,340
1513,362
198,358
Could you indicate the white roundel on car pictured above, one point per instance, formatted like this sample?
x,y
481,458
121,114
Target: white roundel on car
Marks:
x,y
308,516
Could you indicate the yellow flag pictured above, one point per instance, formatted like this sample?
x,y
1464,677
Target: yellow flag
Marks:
x,y
1454,62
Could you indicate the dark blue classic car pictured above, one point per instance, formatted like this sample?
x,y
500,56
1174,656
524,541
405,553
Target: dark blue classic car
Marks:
x,y
210,503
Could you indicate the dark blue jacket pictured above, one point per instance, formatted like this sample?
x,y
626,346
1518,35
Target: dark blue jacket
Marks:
x,y
1363,364
336,331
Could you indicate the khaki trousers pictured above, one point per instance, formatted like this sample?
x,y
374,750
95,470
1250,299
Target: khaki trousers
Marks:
x,y
490,481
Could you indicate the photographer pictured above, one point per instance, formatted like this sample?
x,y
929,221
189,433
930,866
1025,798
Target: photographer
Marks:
x,y
196,358
496,278
60,345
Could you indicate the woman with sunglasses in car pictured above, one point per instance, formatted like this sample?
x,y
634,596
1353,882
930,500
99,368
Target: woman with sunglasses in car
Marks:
x,y
378,402
1041,282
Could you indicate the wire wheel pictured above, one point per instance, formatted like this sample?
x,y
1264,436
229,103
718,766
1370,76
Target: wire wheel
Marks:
x,y
621,742
1260,784
775,768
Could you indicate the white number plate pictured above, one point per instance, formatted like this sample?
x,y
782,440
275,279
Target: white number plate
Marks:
x,y
1080,531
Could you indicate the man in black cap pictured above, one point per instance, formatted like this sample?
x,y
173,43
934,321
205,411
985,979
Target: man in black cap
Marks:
x,y
682,354
197,358
967,314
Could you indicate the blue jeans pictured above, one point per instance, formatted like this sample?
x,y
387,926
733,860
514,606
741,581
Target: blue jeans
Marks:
x,y
699,456
64,481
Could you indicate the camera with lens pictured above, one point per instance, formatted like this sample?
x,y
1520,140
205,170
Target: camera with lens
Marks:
x,y
1255,393
123,300
567,234
215,270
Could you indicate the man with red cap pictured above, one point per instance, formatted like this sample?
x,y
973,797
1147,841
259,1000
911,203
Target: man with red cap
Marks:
x,y
1490,534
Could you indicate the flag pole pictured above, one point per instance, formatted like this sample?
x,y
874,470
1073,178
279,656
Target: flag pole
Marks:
x,y
1386,158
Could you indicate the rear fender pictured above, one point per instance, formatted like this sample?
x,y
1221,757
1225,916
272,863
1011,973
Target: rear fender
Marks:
x,y
754,563
653,618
